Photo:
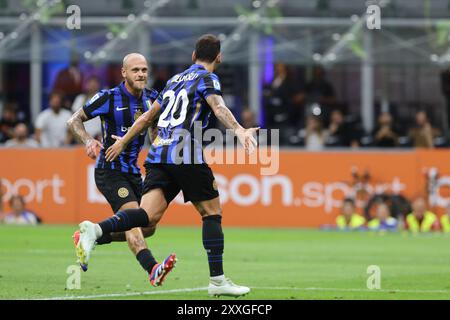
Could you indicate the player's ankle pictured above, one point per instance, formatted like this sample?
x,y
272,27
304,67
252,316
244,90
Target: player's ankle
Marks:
x,y
217,279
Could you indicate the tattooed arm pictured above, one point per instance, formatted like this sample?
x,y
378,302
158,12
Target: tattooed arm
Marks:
x,y
225,116
76,127
153,129
222,112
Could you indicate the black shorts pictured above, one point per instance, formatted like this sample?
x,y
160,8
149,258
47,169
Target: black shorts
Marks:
x,y
195,180
118,187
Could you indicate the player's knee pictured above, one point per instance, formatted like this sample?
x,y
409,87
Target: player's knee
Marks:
x,y
147,211
148,232
154,219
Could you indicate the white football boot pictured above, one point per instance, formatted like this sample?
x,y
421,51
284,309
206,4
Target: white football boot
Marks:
x,y
225,287
86,243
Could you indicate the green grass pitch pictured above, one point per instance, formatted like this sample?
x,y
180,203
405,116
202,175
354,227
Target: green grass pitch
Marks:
x,y
275,263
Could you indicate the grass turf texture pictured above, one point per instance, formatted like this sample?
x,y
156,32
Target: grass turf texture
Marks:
x,y
275,263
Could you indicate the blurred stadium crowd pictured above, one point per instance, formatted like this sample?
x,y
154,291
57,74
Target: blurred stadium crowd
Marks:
x,y
392,214
305,109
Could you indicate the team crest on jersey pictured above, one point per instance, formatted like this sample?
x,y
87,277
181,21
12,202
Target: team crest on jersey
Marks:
x,y
214,185
137,114
123,192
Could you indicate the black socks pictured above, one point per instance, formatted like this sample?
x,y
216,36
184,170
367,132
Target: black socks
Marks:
x,y
146,260
104,239
125,220
213,242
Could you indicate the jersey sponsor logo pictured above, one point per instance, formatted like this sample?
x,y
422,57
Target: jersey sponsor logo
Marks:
x,y
162,142
123,192
125,129
120,109
216,84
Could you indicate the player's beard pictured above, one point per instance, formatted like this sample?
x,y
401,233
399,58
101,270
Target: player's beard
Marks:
x,y
137,85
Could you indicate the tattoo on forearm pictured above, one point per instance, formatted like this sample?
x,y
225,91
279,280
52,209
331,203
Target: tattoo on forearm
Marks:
x,y
222,112
77,128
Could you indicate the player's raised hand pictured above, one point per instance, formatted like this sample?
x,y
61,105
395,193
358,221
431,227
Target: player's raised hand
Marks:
x,y
92,146
113,151
247,139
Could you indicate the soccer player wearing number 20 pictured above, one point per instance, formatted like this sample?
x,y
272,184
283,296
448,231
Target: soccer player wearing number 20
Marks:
x,y
188,97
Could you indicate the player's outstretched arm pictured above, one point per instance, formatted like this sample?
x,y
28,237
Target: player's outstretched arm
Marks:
x,y
225,116
138,126
76,127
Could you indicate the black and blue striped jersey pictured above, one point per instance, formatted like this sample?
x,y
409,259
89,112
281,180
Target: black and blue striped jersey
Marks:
x,y
118,109
183,103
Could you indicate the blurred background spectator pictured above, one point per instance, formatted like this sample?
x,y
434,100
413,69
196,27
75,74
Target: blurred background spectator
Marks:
x,y
384,134
337,131
445,219
315,134
399,205
51,130
21,138
445,84
383,220
423,134
320,90
92,86
7,123
70,82
349,219
421,219
19,214
278,100
342,133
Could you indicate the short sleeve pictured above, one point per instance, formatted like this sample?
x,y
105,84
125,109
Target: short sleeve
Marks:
x,y
40,121
208,85
161,94
153,94
98,105
160,97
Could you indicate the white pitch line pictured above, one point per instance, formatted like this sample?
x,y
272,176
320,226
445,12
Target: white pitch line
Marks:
x,y
145,293
126,294
352,290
